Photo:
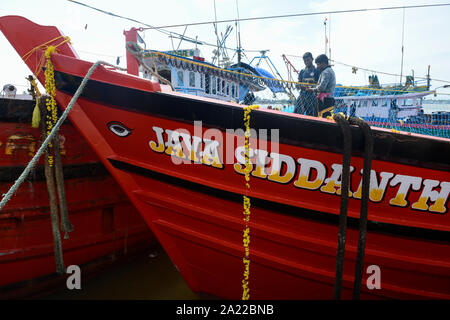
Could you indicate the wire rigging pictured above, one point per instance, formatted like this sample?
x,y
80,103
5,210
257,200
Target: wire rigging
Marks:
x,y
305,14
150,27
374,71
171,33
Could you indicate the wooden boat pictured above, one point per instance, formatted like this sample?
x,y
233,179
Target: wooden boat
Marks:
x,y
142,131
106,225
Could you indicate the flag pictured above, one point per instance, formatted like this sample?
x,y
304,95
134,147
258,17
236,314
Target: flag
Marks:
x,y
139,39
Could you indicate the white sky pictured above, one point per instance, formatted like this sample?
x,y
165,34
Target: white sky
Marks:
x,y
369,40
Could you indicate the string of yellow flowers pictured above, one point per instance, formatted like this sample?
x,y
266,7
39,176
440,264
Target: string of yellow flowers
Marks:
x,y
246,204
52,115
36,118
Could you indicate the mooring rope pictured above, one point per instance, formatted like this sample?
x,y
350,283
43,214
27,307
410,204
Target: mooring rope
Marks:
x,y
345,181
368,154
52,197
344,124
7,196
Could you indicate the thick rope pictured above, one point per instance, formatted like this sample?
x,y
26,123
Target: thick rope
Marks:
x,y
32,164
133,48
368,153
50,182
59,176
347,146
344,124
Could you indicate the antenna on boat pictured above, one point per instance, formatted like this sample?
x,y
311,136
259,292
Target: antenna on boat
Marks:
x,y
238,40
329,36
403,38
326,38
216,56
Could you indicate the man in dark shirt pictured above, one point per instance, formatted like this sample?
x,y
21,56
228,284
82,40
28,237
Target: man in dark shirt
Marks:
x,y
306,101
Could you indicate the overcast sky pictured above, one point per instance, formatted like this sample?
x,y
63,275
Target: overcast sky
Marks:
x,y
369,40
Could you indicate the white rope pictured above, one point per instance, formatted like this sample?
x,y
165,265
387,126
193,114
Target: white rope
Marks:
x,y
7,196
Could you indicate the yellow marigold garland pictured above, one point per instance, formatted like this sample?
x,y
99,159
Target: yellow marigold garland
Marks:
x,y
36,118
52,113
246,204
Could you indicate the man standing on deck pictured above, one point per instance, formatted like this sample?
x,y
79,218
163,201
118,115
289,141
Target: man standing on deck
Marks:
x,y
325,87
306,101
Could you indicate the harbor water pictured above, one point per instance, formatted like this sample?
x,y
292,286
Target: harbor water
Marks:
x,y
149,275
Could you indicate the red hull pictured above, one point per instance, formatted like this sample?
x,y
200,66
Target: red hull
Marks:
x,y
195,210
105,222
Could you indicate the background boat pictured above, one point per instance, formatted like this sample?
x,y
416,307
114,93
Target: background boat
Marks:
x,y
106,226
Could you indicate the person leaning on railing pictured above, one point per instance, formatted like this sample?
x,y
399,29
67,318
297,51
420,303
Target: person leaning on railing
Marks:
x,y
324,88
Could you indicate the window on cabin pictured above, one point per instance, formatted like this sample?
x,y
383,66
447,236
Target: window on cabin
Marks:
x,y
223,86
233,90
219,85
207,84
202,76
228,89
408,102
385,103
213,85
191,79
364,103
374,103
180,76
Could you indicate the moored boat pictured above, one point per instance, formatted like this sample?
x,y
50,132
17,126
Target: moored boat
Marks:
x,y
106,225
187,180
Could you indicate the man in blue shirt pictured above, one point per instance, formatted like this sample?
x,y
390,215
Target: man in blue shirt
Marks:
x,y
306,101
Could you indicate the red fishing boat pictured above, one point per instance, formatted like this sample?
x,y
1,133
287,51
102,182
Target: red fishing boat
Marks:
x,y
106,224
187,180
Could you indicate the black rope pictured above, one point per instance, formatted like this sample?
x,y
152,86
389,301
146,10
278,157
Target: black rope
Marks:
x,y
344,124
368,153
347,146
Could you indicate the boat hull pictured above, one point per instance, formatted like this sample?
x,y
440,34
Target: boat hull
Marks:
x,y
195,210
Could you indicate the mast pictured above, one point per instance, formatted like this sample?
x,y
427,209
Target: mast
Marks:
x,y
403,34
217,35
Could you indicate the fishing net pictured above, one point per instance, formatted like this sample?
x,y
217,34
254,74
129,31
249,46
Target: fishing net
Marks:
x,y
400,108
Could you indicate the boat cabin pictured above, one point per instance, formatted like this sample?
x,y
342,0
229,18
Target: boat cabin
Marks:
x,y
192,75
381,106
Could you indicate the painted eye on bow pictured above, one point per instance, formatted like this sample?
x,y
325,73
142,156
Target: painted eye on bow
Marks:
x,y
119,129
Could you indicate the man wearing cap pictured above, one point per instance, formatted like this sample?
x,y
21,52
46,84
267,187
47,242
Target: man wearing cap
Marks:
x,y
325,87
306,101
